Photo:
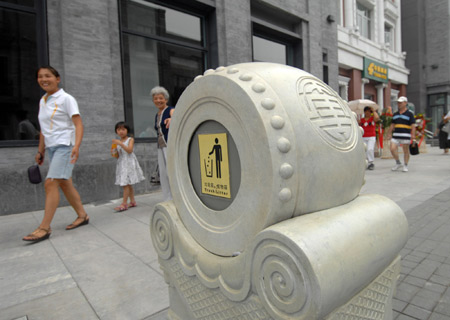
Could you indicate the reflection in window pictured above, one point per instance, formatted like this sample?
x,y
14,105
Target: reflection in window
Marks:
x,y
437,109
151,63
19,92
183,25
269,51
438,98
363,20
161,46
28,3
154,20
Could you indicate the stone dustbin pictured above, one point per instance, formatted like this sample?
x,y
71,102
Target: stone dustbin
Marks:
x,y
266,163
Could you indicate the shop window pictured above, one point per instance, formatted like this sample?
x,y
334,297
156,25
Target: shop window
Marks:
x,y
23,48
276,35
162,46
363,18
437,107
28,3
270,46
269,51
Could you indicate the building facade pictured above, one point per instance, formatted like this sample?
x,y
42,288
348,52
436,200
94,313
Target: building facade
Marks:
x,y
427,42
371,58
110,53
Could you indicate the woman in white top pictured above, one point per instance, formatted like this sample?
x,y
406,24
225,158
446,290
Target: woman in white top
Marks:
x,y
60,136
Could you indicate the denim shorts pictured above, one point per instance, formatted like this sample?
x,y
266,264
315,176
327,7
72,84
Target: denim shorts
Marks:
x,y
60,166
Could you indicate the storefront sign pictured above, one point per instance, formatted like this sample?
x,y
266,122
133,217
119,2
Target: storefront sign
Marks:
x,y
214,165
375,70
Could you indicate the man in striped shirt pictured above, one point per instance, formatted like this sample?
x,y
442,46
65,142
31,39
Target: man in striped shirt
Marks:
x,y
404,128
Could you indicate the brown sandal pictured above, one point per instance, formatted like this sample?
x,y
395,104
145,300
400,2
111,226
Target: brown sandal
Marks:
x,y
33,237
75,225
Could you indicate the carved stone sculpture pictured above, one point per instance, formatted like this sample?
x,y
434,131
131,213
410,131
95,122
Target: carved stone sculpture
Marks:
x,y
265,164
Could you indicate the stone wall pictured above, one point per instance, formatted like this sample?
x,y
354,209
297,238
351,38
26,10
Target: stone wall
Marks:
x,y
437,42
84,46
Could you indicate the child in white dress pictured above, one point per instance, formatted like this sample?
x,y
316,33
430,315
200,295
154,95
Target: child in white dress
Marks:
x,y
128,171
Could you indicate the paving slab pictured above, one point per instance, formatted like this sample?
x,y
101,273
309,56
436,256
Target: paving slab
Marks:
x,y
67,304
109,268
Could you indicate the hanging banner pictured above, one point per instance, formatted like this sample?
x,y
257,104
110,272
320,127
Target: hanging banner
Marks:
x,y
214,166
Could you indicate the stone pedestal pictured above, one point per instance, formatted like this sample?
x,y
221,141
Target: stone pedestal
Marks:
x,y
386,151
423,147
266,163
308,267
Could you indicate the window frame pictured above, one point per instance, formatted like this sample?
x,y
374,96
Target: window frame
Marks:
x,y
368,19
40,11
126,77
284,38
391,26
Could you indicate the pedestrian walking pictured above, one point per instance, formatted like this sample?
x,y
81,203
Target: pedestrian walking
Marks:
x,y
162,124
60,137
368,123
128,170
446,128
402,132
441,132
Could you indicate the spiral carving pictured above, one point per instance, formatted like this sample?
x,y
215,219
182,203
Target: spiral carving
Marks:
x,y
279,280
161,231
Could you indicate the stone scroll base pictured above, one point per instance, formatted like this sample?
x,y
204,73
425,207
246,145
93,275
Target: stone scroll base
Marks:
x,y
340,263
374,302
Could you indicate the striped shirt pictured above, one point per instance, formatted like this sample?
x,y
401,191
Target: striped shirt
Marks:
x,y
402,125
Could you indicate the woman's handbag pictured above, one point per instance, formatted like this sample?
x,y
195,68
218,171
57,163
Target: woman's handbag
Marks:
x,y
414,149
34,174
446,127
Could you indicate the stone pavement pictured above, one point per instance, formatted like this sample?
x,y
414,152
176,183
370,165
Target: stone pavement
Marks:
x,y
109,268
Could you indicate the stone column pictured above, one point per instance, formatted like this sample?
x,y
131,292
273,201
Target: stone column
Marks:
x,y
234,31
380,21
349,20
363,83
380,96
395,94
398,30
343,82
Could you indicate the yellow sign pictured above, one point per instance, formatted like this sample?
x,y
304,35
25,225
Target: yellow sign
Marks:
x,y
377,71
214,165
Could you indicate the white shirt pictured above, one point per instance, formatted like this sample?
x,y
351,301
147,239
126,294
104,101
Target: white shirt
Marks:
x,y
447,115
55,117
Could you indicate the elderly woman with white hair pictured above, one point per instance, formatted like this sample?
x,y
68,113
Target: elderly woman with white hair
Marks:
x,y
162,123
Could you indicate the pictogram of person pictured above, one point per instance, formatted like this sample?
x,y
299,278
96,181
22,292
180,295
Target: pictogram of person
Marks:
x,y
217,150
